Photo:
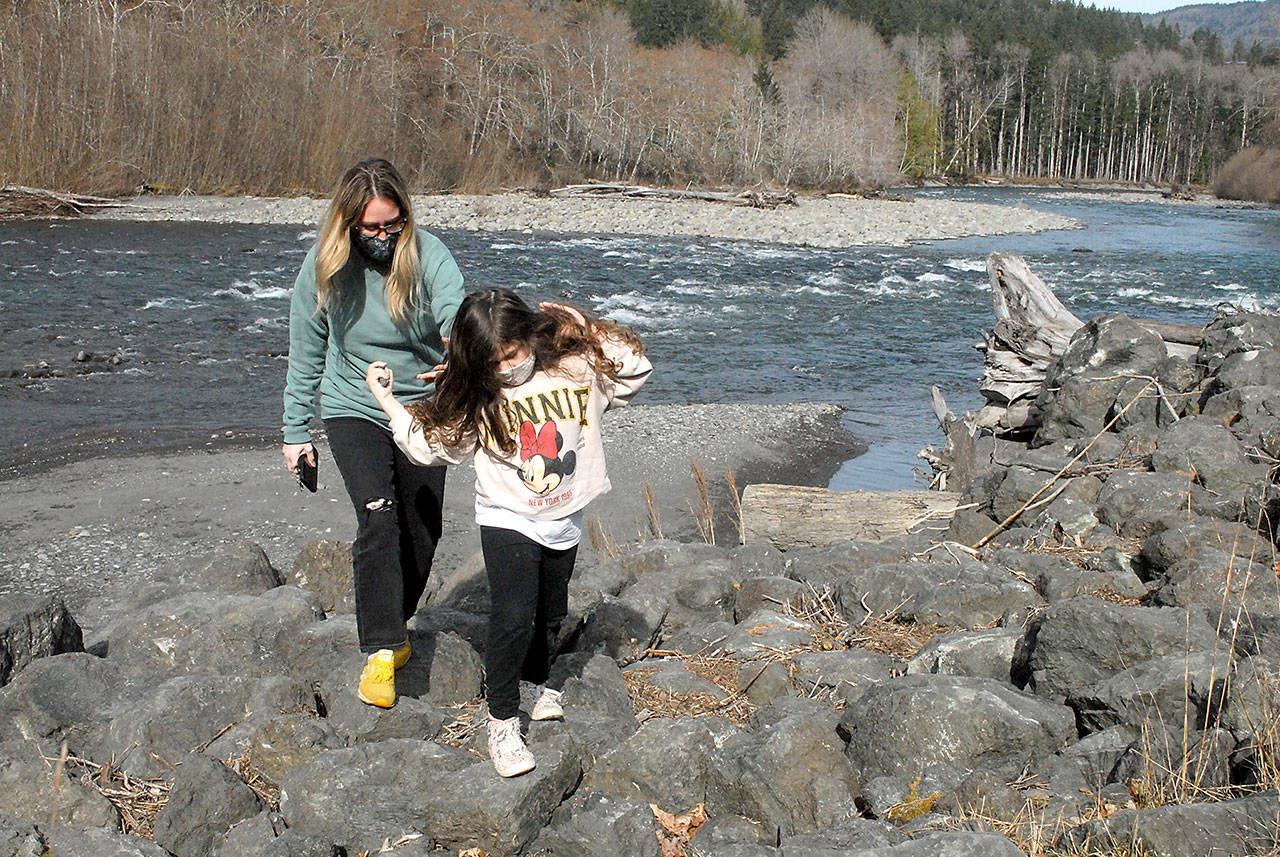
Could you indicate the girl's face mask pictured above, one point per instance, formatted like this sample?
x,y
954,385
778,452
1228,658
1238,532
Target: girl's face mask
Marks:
x,y
519,373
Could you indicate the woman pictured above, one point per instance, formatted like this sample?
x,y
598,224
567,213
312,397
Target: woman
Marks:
x,y
373,288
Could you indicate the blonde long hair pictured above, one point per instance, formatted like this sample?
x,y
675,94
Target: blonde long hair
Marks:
x,y
371,178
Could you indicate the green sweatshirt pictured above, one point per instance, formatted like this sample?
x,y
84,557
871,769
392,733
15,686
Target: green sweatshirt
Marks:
x,y
333,348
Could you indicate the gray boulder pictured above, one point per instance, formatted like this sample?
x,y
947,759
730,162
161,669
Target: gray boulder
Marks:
x,y
1253,368
766,593
206,634
1232,332
148,737
921,723
205,801
31,788
948,844
1190,688
475,808
252,836
1020,484
1209,453
842,673
1211,580
34,627
71,841
591,823
792,776
852,835
1077,643
1096,755
824,567
597,707
1081,387
1167,548
1068,517
762,633
359,796
286,740
241,568
960,595
1225,829
1138,504
701,594
63,697
323,566
983,654
757,560
668,761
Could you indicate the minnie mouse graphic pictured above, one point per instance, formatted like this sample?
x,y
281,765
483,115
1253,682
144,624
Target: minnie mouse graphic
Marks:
x,y
542,468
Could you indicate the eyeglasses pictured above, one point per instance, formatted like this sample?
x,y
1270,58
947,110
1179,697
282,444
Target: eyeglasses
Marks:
x,y
395,227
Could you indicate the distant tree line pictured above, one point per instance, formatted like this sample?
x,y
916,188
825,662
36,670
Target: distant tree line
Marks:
x,y
277,96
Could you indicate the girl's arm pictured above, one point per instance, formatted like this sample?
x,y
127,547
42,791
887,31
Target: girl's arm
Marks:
x,y
420,447
634,369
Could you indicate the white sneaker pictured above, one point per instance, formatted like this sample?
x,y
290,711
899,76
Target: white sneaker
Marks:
x,y
510,756
541,702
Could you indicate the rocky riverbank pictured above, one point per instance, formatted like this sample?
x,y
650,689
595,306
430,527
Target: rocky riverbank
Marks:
x,y
812,221
1084,662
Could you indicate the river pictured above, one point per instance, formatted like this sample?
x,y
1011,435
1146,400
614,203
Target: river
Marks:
x,y
197,314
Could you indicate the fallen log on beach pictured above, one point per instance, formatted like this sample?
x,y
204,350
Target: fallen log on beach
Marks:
x,y
752,198
790,516
18,203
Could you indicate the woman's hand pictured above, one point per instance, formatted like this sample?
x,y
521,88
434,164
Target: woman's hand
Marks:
x,y
379,379
295,451
430,376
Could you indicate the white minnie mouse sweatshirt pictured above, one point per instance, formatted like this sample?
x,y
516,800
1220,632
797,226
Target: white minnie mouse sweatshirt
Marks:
x,y
558,467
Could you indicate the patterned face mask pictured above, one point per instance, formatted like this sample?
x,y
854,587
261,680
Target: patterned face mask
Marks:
x,y
378,250
519,373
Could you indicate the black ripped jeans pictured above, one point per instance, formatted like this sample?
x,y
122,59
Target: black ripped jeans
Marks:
x,y
528,600
399,507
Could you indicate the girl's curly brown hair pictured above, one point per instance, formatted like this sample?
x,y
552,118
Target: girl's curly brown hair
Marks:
x,y
469,391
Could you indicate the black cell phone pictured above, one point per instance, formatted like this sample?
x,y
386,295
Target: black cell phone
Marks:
x,y
307,473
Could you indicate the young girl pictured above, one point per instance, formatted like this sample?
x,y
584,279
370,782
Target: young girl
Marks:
x,y
524,391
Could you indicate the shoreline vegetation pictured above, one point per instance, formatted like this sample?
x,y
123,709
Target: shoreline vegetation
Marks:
x,y
279,97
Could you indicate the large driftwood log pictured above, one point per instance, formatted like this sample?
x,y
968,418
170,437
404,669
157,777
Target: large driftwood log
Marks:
x,y
789,516
752,198
1031,330
18,203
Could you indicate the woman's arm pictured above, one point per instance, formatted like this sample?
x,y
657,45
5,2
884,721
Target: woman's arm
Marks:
x,y
308,340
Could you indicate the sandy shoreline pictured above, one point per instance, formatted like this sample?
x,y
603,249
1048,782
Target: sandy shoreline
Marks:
x,y
814,222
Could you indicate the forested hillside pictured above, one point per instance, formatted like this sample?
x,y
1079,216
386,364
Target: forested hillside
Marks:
x,y
1245,22
275,96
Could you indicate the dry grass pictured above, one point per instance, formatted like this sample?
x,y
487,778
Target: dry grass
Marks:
x,y
603,541
703,512
650,702
137,799
467,720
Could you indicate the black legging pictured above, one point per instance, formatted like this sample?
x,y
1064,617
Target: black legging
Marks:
x,y
399,507
529,597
